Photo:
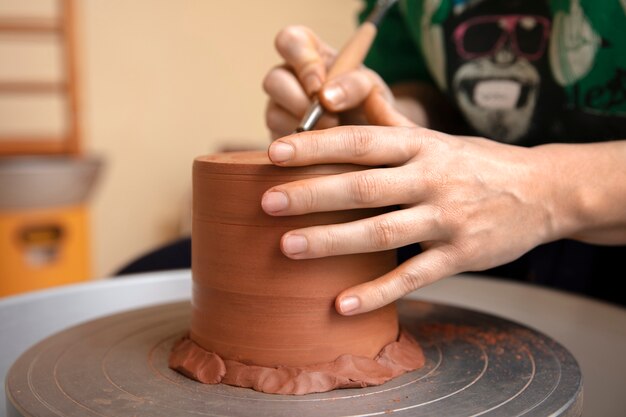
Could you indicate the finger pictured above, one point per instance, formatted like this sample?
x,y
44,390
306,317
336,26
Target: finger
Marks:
x,y
285,90
279,121
347,91
327,121
380,111
363,145
423,269
384,232
369,188
306,54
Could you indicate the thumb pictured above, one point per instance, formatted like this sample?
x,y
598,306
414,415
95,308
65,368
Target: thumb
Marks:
x,y
379,111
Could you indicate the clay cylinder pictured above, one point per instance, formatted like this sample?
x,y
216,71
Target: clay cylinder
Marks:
x,y
250,302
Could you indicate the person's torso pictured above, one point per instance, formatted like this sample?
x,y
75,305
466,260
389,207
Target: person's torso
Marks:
x,y
528,71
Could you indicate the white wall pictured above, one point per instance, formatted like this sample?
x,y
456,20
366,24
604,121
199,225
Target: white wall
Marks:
x,y
164,81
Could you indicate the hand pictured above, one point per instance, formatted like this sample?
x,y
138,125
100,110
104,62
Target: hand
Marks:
x,y
472,203
303,75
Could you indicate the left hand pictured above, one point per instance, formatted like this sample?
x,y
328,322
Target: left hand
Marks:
x,y
290,86
472,203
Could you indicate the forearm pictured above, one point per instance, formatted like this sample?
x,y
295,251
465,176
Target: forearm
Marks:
x,y
585,190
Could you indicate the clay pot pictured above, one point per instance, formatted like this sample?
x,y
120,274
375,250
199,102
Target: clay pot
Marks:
x,y
250,302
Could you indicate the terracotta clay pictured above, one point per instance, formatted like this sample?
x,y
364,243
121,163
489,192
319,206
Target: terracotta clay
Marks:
x,y
347,371
254,309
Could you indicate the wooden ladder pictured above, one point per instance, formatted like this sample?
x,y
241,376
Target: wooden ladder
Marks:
x,y
62,26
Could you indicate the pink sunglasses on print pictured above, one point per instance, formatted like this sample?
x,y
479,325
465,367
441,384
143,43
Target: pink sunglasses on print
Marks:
x,y
485,35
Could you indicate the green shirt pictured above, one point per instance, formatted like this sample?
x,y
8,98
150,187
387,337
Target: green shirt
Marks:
x,y
520,71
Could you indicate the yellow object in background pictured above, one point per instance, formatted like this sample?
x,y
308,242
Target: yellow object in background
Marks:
x,y
44,222
43,248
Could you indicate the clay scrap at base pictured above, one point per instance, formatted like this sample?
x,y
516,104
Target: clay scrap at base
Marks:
x,y
347,371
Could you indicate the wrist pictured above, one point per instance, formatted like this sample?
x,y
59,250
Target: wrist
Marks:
x,y
560,194
584,190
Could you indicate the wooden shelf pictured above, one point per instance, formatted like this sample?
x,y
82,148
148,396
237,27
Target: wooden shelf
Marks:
x,y
61,25
30,25
32,87
34,146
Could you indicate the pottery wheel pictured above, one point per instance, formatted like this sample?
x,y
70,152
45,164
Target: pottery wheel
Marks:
x,y
476,364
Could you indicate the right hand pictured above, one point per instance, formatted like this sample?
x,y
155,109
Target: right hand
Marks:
x,y
291,85
471,203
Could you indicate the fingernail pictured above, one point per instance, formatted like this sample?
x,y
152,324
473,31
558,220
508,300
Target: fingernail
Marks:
x,y
281,152
349,304
312,83
274,201
294,244
334,95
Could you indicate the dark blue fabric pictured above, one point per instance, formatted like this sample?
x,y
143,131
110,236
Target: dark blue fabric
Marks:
x,y
174,255
568,265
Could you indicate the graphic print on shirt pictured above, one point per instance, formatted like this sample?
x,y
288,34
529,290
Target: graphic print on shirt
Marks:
x,y
490,57
573,45
523,71
587,54
432,41
496,84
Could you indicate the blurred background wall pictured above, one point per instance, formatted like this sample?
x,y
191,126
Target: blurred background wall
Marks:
x,y
161,82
